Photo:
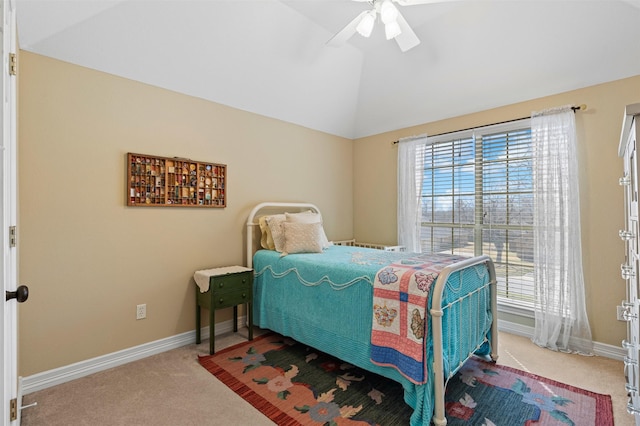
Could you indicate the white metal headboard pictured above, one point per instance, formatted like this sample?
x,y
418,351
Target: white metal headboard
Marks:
x,y
269,207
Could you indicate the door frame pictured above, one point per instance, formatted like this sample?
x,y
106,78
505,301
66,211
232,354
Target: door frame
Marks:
x,y
8,210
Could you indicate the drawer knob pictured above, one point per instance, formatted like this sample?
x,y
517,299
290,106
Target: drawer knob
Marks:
x,y
626,235
221,300
627,271
221,285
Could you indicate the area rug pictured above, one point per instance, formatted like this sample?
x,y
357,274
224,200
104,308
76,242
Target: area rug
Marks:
x,y
293,384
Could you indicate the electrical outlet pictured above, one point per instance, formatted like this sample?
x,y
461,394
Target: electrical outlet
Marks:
x,y
141,311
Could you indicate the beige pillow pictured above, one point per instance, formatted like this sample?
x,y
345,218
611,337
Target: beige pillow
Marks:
x,y
309,217
274,222
302,237
266,240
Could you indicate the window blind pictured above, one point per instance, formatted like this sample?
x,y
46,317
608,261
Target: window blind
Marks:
x,y
477,198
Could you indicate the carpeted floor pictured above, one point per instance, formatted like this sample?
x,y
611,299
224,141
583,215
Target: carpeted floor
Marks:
x,y
172,388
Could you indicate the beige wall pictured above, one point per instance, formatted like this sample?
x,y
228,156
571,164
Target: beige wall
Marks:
x,y
88,259
602,213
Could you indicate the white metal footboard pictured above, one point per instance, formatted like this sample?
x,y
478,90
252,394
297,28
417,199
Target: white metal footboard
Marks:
x,y
437,313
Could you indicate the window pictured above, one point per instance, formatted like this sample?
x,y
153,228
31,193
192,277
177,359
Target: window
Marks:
x,y
477,198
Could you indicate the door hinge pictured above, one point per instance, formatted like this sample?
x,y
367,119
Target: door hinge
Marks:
x,y
13,240
13,409
13,64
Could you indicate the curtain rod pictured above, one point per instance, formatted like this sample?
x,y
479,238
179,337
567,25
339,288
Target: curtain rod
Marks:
x,y
582,107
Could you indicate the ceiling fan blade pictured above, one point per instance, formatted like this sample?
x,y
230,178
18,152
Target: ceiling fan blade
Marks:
x,y
347,32
416,2
407,39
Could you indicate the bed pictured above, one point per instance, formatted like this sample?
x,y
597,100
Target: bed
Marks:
x,y
335,299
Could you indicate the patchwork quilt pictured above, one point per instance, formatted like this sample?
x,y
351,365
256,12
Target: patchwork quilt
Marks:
x,y
400,299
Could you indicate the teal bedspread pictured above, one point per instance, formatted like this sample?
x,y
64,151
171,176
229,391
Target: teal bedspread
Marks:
x,y
324,300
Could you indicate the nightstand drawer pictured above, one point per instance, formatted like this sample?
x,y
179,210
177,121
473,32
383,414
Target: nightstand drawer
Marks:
x,y
231,298
231,283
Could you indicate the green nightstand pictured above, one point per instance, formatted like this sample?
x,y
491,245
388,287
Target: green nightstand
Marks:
x,y
223,288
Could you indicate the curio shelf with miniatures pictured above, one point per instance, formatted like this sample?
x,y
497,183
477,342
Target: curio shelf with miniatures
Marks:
x,y
154,181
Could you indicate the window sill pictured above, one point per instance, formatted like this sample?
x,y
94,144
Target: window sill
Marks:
x,y
515,309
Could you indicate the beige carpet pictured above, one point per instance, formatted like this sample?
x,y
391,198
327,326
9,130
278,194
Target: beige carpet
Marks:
x,y
173,389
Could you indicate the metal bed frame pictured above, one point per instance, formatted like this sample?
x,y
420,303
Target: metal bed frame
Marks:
x,y
438,312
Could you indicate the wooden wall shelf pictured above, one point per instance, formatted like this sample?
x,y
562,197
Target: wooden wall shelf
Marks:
x,y
154,181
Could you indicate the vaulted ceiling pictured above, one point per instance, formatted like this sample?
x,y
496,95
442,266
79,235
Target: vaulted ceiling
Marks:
x,y
270,56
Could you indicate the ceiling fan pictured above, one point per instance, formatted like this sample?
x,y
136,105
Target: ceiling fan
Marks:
x,y
396,27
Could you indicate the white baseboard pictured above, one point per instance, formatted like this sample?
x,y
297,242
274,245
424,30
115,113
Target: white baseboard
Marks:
x,y
67,373
80,369
600,349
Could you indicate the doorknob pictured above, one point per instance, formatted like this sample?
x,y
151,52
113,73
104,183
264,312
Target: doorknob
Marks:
x,y
21,294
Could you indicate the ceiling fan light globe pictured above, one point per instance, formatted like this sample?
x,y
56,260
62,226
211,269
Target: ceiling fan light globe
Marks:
x,y
388,12
392,30
365,26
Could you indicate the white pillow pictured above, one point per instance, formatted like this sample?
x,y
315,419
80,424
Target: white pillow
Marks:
x,y
309,217
274,222
304,217
302,237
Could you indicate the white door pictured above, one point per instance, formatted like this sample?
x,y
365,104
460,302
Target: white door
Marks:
x,y
8,198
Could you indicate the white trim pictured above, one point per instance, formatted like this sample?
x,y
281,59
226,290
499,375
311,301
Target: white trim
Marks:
x,y
600,349
67,373
8,215
630,113
513,309
80,369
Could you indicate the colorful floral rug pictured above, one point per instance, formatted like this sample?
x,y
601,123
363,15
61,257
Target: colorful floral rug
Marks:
x,y
293,384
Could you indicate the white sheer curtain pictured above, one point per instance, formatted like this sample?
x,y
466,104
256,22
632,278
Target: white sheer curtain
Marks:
x,y
410,166
560,314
